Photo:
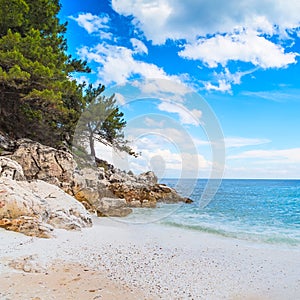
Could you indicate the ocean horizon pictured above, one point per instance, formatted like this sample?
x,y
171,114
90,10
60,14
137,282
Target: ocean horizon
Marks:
x,y
258,210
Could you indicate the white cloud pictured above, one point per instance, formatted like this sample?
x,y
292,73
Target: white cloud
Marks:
x,y
172,161
276,156
217,32
191,117
158,153
94,24
160,20
170,87
221,86
238,142
283,163
245,46
117,63
138,46
225,80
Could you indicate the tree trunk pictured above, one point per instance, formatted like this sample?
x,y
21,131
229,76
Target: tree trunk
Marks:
x,y
92,145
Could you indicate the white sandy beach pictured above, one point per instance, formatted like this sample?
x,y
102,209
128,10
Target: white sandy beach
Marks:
x,y
114,260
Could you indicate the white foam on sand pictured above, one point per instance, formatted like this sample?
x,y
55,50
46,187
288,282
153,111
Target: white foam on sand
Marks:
x,y
166,262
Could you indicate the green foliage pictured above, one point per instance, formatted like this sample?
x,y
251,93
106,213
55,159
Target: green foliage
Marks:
x,y
37,98
102,121
12,14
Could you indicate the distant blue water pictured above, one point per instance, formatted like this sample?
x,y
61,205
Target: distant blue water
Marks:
x,y
258,210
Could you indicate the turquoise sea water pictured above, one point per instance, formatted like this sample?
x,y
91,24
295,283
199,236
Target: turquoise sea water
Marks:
x,y
259,210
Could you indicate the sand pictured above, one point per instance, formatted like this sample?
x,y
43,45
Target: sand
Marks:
x,y
115,260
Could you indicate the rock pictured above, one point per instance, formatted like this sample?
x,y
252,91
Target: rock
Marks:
x,y
164,188
134,203
148,204
107,203
88,195
45,163
90,185
31,226
10,169
116,212
34,207
18,200
64,211
188,200
6,144
113,207
116,178
148,178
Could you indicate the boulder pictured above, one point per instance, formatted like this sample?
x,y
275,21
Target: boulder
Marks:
x,y
16,200
10,169
113,207
64,211
90,185
34,207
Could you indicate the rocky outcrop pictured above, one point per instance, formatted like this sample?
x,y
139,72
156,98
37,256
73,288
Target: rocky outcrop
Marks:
x,y
35,207
144,191
45,163
103,190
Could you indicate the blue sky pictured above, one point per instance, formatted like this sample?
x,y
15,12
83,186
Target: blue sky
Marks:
x,y
207,70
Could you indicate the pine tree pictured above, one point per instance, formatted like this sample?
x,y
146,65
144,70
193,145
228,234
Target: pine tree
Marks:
x,y
102,121
37,98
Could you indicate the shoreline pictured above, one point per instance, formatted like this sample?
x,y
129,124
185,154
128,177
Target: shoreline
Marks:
x,y
157,261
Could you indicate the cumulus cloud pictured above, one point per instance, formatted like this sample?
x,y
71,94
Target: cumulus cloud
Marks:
x,y
168,157
166,88
139,46
176,19
174,161
117,63
245,46
94,24
217,32
152,123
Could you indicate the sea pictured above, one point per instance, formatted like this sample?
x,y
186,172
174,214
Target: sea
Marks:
x,y
265,211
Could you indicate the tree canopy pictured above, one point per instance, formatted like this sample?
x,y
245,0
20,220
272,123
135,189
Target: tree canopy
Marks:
x,y
38,97
102,121
38,100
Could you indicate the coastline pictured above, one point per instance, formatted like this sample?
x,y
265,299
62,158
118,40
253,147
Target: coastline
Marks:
x,y
150,261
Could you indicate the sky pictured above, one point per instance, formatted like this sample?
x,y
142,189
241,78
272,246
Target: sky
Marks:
x,y
208,88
